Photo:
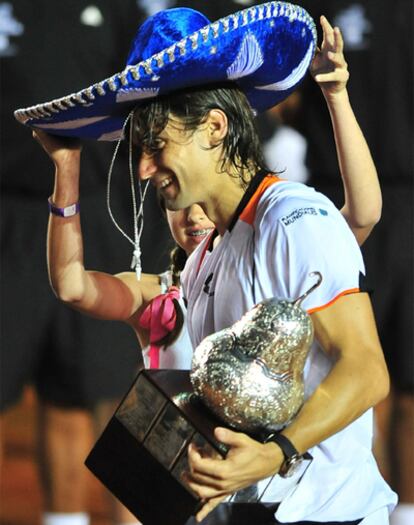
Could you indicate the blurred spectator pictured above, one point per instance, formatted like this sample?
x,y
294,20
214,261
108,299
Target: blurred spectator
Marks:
x,y
284,147
78,366
150,7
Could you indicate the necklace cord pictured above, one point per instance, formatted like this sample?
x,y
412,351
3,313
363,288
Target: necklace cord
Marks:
x,y
138,214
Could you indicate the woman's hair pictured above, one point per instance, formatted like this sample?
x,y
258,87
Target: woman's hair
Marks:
x,y
178,258
242,147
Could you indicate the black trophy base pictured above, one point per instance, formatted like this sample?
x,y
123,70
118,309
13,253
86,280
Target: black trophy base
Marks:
x,y
142,454
138,480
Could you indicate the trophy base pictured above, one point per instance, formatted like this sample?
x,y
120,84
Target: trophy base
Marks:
x,y
142,453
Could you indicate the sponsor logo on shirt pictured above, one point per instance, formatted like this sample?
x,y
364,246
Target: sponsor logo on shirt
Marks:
x,y
301,212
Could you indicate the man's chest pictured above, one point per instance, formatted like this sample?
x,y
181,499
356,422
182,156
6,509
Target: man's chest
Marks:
x,y
226,286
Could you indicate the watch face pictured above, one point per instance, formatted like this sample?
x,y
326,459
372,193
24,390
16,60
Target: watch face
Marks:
x,y
290,466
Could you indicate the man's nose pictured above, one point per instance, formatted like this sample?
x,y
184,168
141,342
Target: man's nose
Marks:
x,y
146,166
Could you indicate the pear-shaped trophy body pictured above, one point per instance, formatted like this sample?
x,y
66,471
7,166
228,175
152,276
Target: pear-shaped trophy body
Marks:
x,y
251,374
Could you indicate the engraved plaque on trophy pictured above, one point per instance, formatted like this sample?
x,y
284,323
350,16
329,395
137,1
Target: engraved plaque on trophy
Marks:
x,y
142,454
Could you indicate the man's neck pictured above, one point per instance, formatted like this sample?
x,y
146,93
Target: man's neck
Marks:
x,y
224,199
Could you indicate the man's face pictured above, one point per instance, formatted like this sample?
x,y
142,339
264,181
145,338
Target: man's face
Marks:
x,y
179,165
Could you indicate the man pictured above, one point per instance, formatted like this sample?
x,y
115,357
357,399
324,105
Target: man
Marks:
x,y
196,163
199,145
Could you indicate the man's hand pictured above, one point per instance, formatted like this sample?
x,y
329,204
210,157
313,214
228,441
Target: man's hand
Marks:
x,y
61,150
328,67
247,462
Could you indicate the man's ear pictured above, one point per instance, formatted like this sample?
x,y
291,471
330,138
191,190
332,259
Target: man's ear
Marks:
x,y
217,126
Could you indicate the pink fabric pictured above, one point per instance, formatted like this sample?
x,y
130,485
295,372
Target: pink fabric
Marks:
x,y
159,317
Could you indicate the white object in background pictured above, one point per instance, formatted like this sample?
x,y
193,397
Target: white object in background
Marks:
x,y
286,152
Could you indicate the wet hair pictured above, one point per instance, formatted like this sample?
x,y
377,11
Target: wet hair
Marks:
x,y
241,146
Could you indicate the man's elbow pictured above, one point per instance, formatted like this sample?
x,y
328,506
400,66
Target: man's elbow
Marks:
x,y
70,294
385,386
378,382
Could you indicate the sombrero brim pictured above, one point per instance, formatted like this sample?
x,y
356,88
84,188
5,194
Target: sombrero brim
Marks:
x,y
265,49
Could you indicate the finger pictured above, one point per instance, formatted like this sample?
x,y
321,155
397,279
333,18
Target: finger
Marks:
x,y
38,134
339,75
41,137
230,437
339,41
328,32
205,466
326,24
337,59
197,478
208,507
204,491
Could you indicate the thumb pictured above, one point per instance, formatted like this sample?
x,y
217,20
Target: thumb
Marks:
x,y
229,437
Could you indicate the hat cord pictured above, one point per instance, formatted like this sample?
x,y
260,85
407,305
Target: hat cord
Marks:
x,y
138,213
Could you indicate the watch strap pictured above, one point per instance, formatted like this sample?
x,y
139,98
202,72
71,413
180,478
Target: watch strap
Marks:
x,y
286,446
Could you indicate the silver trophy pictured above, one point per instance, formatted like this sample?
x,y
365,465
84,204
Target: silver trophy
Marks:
x,y
250,375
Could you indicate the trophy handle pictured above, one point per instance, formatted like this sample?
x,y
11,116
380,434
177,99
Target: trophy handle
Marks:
x,y
300,299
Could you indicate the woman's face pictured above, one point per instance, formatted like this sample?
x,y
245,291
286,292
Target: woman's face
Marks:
x,y
189,227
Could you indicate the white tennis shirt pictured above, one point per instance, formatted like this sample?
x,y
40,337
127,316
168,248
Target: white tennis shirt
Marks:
x,y
286,231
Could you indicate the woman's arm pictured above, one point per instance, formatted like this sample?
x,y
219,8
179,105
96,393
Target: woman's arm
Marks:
x,y
96,293
363,201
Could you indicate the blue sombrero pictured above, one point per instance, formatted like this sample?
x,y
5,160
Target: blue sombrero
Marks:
x,y
266,49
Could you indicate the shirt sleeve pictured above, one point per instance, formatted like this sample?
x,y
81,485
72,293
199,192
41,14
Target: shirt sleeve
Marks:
x,y
299,231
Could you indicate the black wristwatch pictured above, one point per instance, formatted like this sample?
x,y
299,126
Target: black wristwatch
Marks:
x,y
293,459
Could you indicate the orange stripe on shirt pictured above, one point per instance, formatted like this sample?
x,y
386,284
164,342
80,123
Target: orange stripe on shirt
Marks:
x,y
345,292
249,212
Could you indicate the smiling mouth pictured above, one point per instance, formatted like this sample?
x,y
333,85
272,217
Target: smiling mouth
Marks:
x,y
200,233
165,183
